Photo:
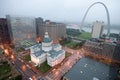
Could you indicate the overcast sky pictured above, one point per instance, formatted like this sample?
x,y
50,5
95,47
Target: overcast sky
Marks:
x,y
62,10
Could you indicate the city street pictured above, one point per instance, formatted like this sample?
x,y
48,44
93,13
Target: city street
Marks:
x,y
66,65
27,72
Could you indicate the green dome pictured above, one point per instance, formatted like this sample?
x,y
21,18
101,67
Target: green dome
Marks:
x,y
46,40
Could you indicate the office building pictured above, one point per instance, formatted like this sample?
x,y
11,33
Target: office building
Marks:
x,y
4,32
108,50
37,22
22,28
97,29
116,55
56,30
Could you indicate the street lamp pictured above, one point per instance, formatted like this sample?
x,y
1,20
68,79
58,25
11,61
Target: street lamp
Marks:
x,y
6,51
72,52
12,57
23,67
56,73
68,63
78,52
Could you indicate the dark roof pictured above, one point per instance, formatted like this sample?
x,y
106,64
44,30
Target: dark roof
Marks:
x,y
46,40
88,69
37,54
27,44
54,53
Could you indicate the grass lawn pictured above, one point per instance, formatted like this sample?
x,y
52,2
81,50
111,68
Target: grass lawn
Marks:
x,y
67,54
5,70
85,35
27,58
44,67
71,44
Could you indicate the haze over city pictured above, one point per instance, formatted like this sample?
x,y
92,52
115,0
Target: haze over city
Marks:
x,y
62,10
59,40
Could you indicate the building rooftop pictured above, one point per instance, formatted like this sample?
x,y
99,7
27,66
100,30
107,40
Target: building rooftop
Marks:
x,y
46,39
54,53
37,54
88,69
37,46
27,44
56,45
110,43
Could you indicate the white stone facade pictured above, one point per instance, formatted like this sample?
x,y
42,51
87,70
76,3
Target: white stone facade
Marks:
x,y
38,60
56,60
53,53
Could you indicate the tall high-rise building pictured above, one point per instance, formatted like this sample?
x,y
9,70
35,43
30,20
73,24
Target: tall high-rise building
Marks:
x,y
97,29
4,32
21,28
37,22
55,30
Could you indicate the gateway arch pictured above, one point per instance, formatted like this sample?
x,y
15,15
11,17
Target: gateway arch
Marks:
x,y
108,17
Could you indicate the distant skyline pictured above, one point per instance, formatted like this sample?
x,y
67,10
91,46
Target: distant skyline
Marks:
x,y
62,10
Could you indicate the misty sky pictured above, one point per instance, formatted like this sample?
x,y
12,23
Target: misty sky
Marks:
x,y
62,10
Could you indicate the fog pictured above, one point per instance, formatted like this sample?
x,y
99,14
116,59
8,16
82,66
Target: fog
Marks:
x,y
62,10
